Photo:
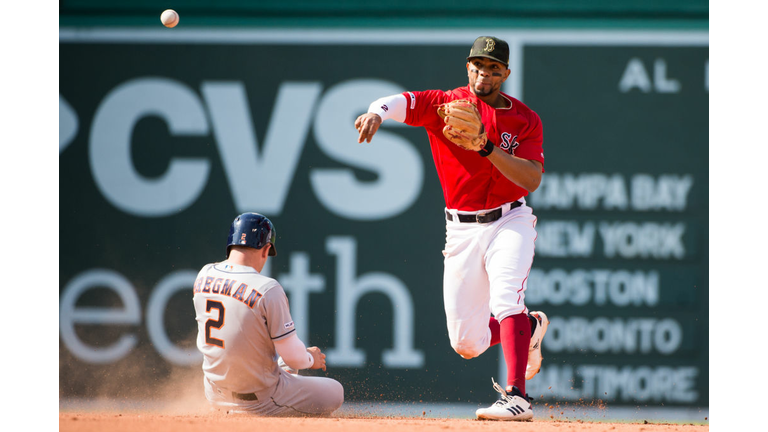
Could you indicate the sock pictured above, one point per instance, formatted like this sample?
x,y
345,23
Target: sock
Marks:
x,y
495,331
515,333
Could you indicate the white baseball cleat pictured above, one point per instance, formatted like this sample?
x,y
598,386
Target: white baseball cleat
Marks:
x,y
513,406
541,322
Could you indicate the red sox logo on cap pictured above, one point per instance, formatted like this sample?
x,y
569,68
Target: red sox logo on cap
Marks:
x,y
489,44
508,143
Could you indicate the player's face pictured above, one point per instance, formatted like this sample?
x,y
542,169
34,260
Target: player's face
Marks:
x,y
486,75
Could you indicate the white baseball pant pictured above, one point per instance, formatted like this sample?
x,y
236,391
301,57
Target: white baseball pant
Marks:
x,y
486,271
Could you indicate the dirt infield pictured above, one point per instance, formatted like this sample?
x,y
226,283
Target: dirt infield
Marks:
x,y
181,407
137,421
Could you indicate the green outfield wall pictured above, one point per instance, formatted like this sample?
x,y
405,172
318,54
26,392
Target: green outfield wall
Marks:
x,y
394,13
165,135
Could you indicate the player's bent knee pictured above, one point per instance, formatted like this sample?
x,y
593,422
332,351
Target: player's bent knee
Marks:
x,y
467,349
340,400
332,398
336,396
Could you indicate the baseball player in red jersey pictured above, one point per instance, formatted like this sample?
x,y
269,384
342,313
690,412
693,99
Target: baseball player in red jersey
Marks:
x,y
248,338
490,231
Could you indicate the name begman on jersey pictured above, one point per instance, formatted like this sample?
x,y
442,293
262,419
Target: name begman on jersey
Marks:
x,y
224,287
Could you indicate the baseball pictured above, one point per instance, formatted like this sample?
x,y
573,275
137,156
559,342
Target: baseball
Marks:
x,y
169,18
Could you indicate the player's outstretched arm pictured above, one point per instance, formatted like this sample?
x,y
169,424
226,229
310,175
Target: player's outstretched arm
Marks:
x,y
389,107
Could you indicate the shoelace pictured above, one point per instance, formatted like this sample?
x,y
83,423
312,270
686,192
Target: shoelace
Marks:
x,y
499,388
504,396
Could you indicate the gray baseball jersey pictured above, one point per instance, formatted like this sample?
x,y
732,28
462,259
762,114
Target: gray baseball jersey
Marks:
x,y
240,313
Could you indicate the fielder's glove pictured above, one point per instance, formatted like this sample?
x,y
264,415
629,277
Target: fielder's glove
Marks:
x,y
463,124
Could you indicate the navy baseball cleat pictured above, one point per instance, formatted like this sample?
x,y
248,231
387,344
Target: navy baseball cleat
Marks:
x,y
512,406
541,322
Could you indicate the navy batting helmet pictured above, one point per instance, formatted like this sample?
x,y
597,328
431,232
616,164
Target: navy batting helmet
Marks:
x,y
252,230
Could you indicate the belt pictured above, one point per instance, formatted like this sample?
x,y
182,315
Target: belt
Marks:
x,y
245,396
489,217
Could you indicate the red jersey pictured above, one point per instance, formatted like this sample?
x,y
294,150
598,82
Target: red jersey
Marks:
x,y
471,182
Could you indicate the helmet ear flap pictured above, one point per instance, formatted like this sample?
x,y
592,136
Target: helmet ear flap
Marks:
x,y
272,238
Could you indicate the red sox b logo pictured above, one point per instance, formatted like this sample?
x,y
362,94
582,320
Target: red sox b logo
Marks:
x,y
508,143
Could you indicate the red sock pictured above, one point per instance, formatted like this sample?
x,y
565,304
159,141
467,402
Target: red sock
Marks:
x,y
495,331
515,333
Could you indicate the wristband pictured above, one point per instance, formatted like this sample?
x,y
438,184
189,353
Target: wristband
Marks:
x,y
487,149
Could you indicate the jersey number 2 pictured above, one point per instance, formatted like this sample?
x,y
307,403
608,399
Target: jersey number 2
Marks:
x,y
217,324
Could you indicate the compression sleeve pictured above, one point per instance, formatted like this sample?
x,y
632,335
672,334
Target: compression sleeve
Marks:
x,y
390,107
294,352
